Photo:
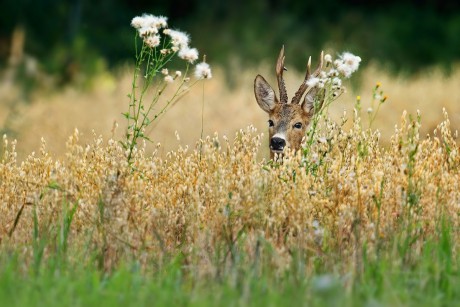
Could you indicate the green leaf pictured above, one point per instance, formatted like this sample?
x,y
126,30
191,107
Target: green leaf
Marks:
x,y
54,185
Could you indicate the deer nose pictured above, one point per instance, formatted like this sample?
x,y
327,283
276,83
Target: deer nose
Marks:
x,y
277,143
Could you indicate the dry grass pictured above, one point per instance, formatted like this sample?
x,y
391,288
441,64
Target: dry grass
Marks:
x,y
55,115
192,199
198,197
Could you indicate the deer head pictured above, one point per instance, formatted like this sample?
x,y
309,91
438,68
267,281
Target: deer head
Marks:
x,y
287,121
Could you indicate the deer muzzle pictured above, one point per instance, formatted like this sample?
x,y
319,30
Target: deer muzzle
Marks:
x,y
277,144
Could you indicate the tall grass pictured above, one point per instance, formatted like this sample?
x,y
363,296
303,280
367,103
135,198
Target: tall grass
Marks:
x,y
214,223
250,279
345,221
54,115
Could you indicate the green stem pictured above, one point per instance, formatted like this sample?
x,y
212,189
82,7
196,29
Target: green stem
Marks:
x,y
202,114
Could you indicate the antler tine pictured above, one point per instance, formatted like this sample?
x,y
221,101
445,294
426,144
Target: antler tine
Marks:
x,y
279,75
320,65
308,69
303,87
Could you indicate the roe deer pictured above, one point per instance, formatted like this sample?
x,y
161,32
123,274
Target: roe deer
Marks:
x,y
287,121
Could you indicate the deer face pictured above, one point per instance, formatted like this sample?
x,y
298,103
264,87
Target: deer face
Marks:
x,y
287,121
287,124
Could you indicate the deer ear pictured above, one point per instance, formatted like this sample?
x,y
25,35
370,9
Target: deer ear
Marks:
x,y
265,95
308,104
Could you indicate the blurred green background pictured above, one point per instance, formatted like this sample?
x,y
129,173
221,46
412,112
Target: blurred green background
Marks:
x,y
87,36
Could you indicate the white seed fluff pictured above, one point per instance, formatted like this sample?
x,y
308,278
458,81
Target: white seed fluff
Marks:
x,y
203,71
188,54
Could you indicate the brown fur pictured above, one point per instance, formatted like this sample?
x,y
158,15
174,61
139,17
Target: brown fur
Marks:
x,y
288,121
283,115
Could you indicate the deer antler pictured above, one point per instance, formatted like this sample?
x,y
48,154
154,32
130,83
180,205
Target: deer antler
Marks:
x,y
279,75
303,87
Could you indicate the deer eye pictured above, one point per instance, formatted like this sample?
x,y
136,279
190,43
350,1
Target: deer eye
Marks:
x,y
270,123
298,125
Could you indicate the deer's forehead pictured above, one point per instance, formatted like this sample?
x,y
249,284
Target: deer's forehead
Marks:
x,y
287,112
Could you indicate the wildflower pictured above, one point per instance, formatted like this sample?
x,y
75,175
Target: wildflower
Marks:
x,y
165,71
149,23
178,39
159,22
347,64
337,82
369,110
203,71
321,83
189,54
178,73
144,25
358,98
152,41
169,79
333,73
312,82
328,58
351,60
377,85
344,70
137,22
147,31
164,51
336,88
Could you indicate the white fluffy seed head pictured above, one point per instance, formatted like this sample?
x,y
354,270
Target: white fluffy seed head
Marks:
x,y
188,54
347,64
179,39
152,41
137,22
203,71
312,82
149,21
337,82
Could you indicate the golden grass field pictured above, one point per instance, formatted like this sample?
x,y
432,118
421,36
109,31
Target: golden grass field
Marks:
x,y
367,212
54,115
352,192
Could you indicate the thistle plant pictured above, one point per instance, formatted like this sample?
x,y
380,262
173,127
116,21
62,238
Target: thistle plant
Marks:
x,y
327,87
158,47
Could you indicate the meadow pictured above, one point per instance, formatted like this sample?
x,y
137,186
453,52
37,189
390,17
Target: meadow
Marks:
x,y
370,217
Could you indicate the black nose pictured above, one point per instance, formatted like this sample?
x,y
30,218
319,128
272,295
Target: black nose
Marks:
x,y
277,144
